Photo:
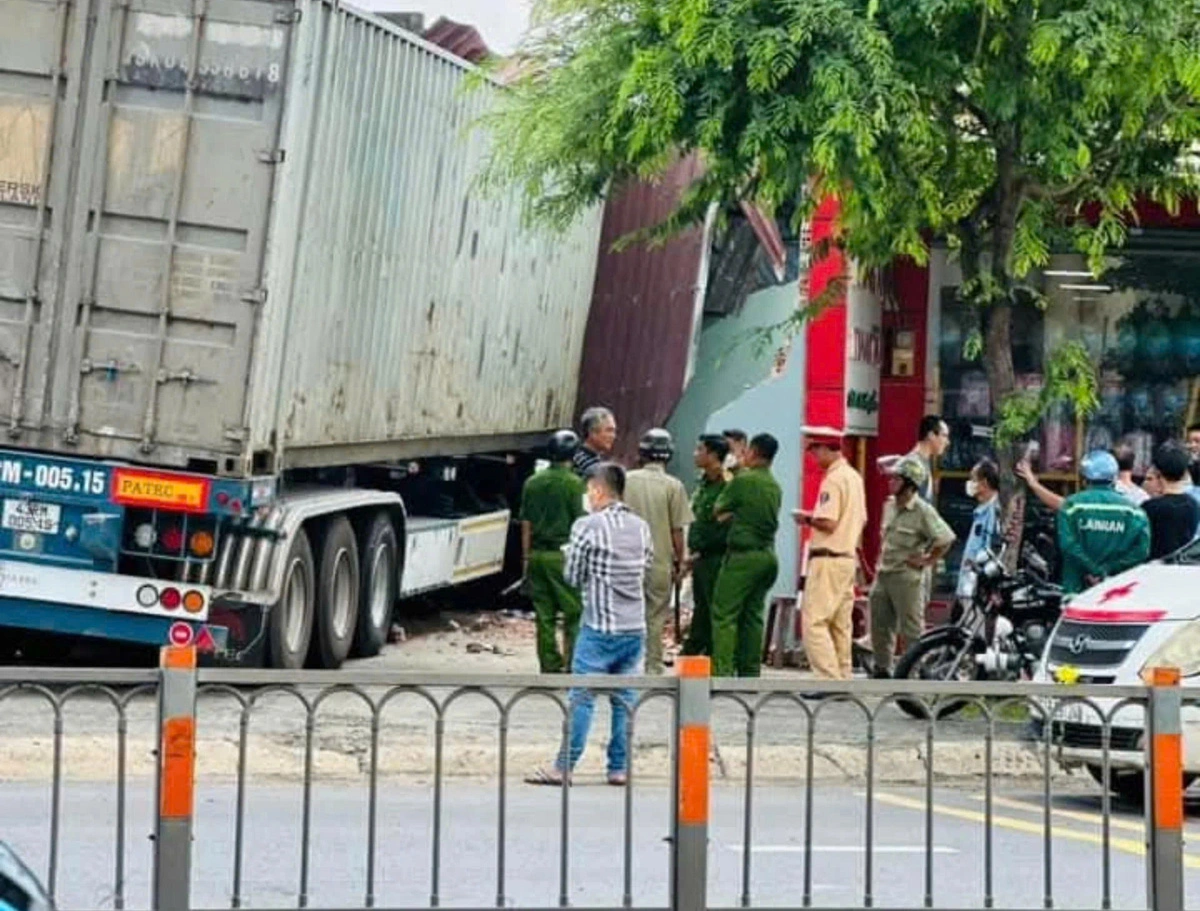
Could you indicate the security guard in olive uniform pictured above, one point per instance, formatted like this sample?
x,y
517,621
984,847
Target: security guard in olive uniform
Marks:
x,y
915,537
837,526
1100,533
706,541
750,504
661,501
550,503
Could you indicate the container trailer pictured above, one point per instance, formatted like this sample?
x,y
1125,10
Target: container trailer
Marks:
x,y
269,362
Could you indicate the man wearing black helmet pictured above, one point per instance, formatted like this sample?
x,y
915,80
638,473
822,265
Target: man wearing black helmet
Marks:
x,y
662,502
550,503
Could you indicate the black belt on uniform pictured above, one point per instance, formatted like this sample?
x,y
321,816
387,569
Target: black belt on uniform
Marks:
x,y
831,554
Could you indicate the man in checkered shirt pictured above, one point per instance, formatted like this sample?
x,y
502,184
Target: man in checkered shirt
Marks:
x,y
607,558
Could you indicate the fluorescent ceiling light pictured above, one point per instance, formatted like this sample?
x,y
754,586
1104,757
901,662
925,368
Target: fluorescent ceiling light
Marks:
x,y
1086,287
1067,273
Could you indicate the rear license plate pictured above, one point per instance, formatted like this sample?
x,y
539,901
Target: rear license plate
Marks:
x,y
1077,713
29,515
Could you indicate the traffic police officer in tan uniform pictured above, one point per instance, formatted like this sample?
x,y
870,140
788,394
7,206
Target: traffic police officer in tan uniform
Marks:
x,y
837,525
915,537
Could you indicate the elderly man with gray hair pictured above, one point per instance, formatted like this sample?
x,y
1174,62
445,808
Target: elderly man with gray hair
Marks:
x,y
598,428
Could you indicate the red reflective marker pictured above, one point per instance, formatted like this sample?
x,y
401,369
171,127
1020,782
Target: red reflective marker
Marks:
x,y
180,635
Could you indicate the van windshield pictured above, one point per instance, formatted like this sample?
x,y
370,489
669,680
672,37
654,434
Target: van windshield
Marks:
x,y
12,896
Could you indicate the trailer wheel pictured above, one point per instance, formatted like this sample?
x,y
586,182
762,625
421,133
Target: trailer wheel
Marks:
x,y
291,622
378,561
337,595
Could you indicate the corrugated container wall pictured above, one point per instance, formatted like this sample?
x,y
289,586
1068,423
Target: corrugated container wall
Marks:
x,y
233,230
416,299
643,327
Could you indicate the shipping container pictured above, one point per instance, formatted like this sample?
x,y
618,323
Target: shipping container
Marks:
x,y
276,257
269,362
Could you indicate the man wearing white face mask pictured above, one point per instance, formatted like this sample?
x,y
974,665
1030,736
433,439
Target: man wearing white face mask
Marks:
x,y
984,488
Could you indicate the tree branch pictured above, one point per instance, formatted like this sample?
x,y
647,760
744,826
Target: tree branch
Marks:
x,y
974,110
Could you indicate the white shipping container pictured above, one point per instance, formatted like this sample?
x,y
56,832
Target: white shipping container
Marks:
x,y
240,235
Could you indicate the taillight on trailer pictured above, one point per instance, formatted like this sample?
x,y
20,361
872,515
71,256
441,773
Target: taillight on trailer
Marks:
x,y
201,544
171,540
159,534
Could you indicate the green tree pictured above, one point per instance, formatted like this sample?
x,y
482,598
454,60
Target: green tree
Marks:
x,y
1006,127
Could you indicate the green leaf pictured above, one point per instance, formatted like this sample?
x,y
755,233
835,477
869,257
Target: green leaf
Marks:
x,y
1070,377
973,345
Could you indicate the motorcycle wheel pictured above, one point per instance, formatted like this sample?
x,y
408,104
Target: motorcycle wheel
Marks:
x,y
937,657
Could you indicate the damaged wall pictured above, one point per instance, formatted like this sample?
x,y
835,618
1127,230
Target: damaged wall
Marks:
x,y
736,385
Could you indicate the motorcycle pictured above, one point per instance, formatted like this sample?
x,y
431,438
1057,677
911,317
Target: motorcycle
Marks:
x,y
997,631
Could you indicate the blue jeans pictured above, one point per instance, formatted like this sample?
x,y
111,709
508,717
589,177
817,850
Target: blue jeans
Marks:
x,y
603,653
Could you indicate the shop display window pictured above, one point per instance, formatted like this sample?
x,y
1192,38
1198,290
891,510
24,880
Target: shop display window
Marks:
x,y
1141,323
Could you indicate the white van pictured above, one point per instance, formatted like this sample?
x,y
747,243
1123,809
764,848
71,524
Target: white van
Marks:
x,y
1114,633
19,888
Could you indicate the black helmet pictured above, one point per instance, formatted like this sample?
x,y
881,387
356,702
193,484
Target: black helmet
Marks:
x,y
562,445
657,445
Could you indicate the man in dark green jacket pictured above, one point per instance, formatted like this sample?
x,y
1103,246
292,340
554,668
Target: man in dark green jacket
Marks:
x,y
1100,533
706,541
550,503
750,504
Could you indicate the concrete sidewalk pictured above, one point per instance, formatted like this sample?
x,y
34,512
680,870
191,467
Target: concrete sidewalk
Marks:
x,y
493,644
341,738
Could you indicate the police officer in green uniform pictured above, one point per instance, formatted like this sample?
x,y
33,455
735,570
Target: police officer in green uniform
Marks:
x,y
1100,533
550,503
750,505
706,541
915,537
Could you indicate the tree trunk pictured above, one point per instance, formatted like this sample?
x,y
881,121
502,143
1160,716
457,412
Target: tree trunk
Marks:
x,y
1002,381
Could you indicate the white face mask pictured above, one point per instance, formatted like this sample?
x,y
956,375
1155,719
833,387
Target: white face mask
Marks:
x,y
972,488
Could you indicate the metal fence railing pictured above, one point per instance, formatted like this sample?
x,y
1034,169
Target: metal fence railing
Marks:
x,y
184,788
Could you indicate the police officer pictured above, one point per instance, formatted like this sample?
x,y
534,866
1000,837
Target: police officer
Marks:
x,y
737,442
706,541
662,502
750,504
1100,533
837,525
915,537
551,501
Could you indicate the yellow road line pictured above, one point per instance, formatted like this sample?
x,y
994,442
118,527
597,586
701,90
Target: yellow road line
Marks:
x,y
1094,818
1076,815
1127,845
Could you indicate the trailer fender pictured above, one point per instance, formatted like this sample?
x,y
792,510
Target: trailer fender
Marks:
x,y
256,563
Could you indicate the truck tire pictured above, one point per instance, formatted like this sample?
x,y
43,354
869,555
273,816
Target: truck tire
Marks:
x,y
290,626
378,563
336,616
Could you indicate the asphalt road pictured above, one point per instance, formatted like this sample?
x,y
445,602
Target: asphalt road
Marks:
x,y
595,845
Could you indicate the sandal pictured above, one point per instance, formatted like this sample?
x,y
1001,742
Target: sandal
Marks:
x,y
551,778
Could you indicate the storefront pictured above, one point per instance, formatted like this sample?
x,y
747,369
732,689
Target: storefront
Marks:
x,y
1140,323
